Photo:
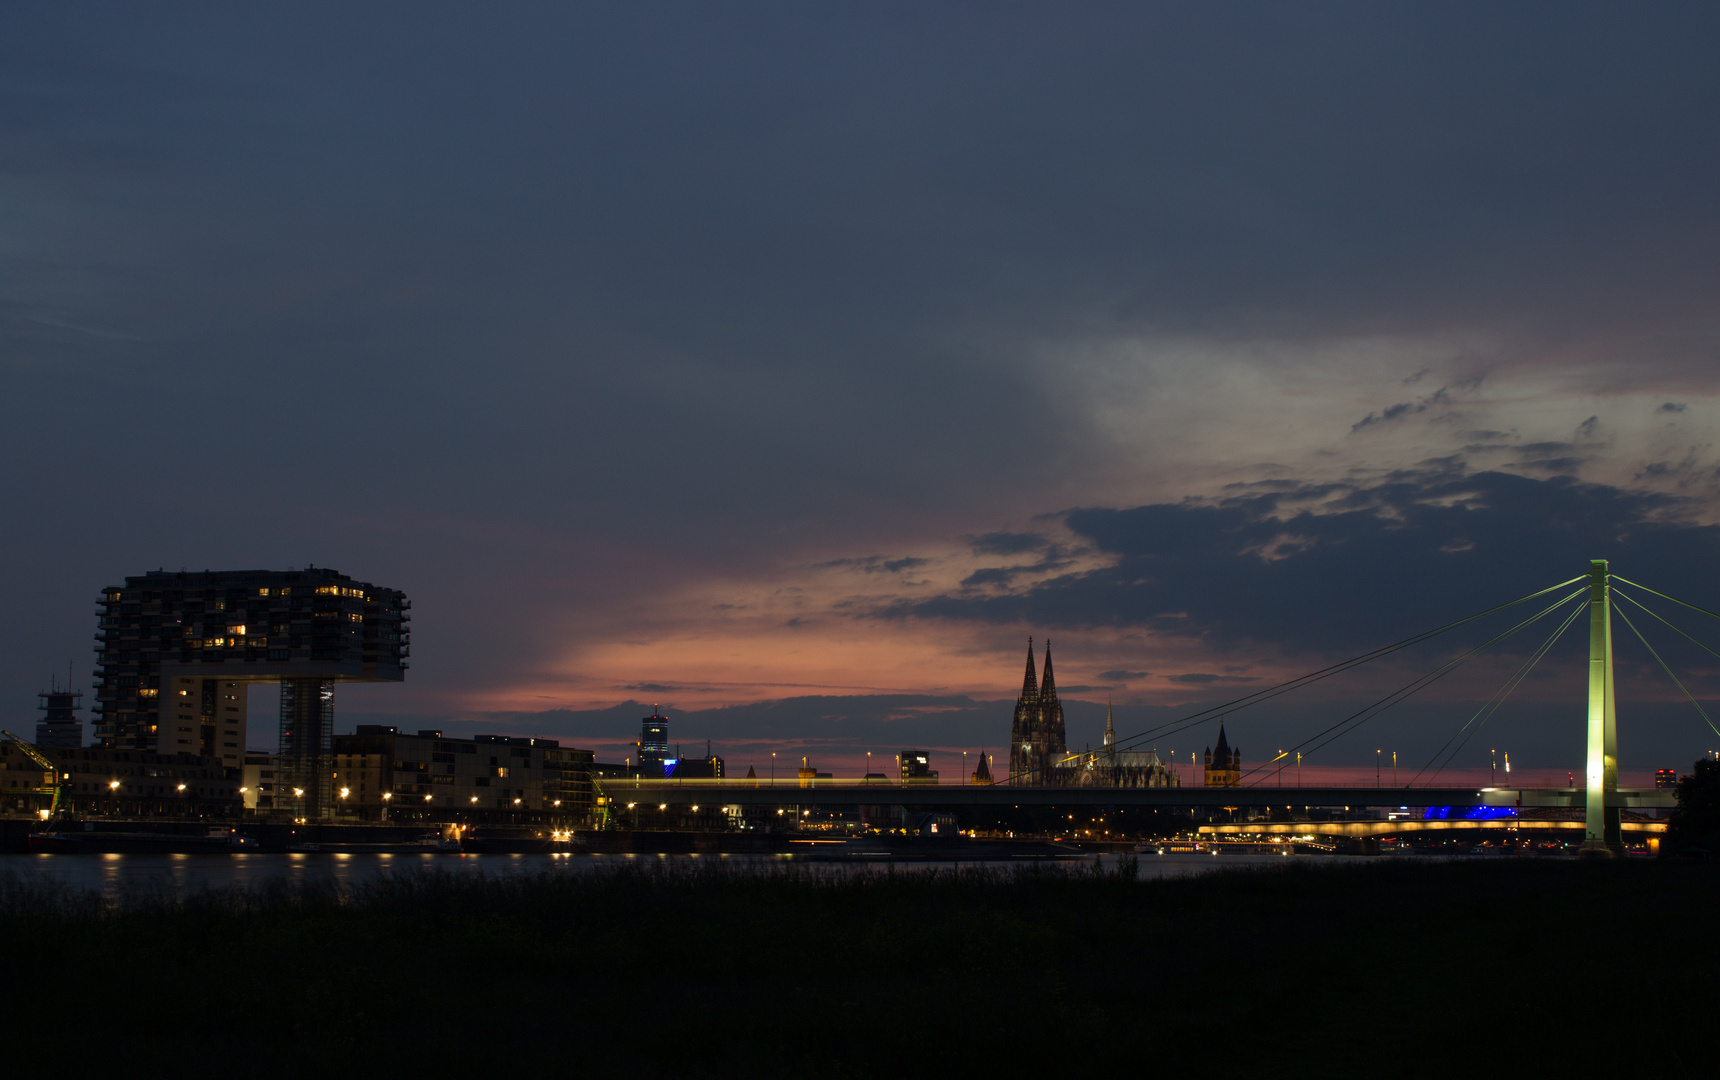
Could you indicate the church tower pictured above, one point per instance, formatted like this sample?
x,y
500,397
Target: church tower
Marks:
x,y
1223,764
1036,734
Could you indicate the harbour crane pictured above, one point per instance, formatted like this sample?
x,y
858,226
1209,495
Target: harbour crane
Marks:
x,y
52,781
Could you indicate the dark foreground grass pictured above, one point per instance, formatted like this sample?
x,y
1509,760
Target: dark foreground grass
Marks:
x,y
1383,969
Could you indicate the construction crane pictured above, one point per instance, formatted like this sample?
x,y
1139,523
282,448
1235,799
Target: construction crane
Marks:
x,y
52,781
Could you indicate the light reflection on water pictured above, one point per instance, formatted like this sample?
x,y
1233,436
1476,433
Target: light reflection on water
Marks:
x,y
122,876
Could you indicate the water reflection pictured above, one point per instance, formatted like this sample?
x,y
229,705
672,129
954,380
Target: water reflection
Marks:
x,y
118,876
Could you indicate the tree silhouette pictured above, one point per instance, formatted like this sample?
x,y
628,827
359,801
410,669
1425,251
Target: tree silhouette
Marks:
x,y
1696,822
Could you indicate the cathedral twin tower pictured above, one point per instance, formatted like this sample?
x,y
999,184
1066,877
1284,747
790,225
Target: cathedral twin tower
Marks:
x,y
1036,736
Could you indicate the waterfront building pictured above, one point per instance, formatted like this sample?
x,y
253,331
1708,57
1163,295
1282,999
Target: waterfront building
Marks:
x,y
59,728
1665,778
917,767
381,774
178,652
1036,732
1223,764
127,783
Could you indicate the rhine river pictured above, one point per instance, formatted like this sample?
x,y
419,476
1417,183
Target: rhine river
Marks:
x,y
122,877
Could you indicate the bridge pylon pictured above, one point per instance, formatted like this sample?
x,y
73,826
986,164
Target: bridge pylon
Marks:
x,y
1601,833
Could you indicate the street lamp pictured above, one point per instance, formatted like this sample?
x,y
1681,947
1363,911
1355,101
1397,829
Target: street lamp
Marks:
x,y
1376,768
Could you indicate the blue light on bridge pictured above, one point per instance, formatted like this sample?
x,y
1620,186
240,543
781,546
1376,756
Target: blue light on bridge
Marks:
x,y
669,766
1470,813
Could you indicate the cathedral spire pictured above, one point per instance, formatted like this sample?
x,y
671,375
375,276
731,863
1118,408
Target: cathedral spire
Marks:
x,y
1048,685
1030,683
1110,729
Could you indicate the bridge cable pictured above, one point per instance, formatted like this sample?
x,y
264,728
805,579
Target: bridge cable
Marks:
x,y
1674,628
1194,719
1663,596
1362,716
1493,704
1665,668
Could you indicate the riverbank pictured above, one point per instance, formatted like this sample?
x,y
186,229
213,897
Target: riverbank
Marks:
x,y
1394,968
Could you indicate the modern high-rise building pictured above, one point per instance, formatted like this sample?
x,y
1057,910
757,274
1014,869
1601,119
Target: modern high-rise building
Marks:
x,y
1036,734
59,728
178,652
653,744
917,767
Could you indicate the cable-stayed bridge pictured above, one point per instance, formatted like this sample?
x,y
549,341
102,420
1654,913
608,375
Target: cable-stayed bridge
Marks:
x,y
1600,797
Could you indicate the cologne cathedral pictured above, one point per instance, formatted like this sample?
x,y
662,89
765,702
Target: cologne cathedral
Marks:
x,y
1036,736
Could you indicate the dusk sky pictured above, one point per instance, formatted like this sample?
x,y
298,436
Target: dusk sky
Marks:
x,y
790,364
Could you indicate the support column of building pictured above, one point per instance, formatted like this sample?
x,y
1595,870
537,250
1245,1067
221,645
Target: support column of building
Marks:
x,y
305,778
1601,822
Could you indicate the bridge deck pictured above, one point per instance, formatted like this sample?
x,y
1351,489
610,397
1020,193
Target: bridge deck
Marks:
x,y
860,793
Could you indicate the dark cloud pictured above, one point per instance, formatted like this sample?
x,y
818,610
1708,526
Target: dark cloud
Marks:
x,y
1201,678
1672,407
878,721
876,564
1401,556
1122,675
1438,398
1007,543
1053,560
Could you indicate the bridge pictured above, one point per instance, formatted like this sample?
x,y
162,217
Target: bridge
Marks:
x,y
847,793
1601,799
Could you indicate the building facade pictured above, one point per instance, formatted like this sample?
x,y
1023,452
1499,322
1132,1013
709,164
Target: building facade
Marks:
x,y
1036,734
177,653
381,774
1110,767
257,783
917,767
126,783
